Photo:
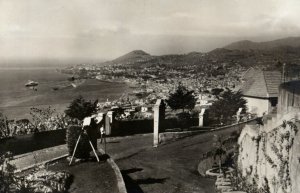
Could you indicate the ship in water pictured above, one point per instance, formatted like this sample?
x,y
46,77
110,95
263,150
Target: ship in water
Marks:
x,y
31,83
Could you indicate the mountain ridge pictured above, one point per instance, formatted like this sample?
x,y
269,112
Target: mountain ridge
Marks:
x,y
247,53
265,45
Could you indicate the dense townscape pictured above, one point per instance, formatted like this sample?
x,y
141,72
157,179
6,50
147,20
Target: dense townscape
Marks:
x,y
207,74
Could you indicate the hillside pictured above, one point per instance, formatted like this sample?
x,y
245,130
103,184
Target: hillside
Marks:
x,y
132,57
245,53
250,45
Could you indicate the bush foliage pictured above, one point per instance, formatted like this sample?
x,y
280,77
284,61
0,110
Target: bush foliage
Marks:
x,y
182,98
34,181
83,149
80,108
227,105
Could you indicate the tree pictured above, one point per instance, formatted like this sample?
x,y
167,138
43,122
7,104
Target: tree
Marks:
x,y
182,98
80,108
216,91
227,105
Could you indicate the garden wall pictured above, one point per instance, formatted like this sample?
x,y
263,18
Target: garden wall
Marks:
x,y
270,154
32,142
141,126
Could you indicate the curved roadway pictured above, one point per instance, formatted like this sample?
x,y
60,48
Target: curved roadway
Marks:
x,y
169,168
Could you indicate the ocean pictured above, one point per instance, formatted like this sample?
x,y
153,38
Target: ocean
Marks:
x,y
54,89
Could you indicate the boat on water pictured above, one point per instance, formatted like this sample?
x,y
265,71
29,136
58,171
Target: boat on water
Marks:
x,y
31,83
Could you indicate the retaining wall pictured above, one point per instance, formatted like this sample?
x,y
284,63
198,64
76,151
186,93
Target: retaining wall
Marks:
x,y
270,155
32,142
40,140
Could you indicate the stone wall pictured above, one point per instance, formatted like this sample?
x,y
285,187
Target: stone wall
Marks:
x,y
270,154
31,142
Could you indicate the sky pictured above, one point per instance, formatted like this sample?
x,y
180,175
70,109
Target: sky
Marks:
x,y
105,29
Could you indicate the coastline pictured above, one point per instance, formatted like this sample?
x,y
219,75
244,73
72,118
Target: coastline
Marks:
x,y
132,85
18,107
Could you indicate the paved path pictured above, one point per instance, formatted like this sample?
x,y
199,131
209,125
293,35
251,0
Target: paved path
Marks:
x,y
166,169
119,150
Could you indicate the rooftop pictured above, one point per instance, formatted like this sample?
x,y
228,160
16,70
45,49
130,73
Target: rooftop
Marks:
x,y
259,83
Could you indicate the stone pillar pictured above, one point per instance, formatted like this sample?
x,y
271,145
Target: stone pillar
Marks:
x,y
201,116
111,116
159,116
109,121
238,115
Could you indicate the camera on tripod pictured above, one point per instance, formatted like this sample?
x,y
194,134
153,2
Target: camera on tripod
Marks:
x,y
90,128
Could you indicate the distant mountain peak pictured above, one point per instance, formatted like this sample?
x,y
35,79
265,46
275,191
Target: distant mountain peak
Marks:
x,y
133,55
139,52
267,45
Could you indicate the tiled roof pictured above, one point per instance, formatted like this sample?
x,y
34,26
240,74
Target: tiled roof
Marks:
x,y
273,81
260,83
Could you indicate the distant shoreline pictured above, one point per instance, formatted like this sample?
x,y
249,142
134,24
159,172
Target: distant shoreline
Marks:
x,y
16,100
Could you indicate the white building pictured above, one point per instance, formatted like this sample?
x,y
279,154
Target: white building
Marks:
x,y
260,89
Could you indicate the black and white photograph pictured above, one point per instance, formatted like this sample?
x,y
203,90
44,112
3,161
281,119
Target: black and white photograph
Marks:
x,y
149,96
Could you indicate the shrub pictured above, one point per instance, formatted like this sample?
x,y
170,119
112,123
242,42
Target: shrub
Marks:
x,y
45,119
227,105
34,181
7,177
80,108
83,149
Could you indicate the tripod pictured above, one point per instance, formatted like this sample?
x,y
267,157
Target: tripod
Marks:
x,y
84,131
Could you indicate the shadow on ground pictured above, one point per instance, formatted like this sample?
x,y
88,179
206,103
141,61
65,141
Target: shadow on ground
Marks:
x,y
132,170
104,157
151,181
114,142
132,185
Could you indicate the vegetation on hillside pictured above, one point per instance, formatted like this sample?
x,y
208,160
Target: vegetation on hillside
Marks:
x,y
45,119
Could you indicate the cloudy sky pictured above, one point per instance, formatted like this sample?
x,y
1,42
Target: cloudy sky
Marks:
x,y
104,29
